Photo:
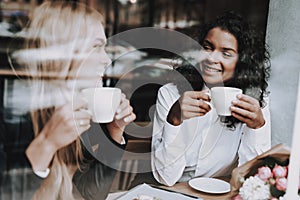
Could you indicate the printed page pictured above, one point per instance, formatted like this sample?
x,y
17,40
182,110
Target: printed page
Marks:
x,y
146,192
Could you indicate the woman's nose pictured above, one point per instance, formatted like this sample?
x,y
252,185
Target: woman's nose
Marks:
x,y
106,60
213,57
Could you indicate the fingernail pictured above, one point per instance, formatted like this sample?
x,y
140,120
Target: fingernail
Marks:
x,y
208,103
208,94
118,110
126,119
118,117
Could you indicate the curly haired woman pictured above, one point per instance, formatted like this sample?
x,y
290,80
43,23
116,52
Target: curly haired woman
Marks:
x,y
189,138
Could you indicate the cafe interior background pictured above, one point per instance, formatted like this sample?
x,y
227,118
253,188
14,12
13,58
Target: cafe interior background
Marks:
x,y
140,72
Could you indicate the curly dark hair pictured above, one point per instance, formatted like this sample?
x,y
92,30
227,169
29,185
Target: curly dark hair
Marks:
x,y
253,68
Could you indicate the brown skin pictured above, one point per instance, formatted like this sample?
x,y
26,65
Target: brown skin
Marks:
x,y
248,110
217,65
191,104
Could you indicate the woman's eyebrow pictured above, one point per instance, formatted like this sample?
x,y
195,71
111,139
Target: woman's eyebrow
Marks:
x,y
207,42
229,49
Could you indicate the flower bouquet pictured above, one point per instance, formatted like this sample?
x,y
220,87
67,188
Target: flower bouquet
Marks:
x,y
264,177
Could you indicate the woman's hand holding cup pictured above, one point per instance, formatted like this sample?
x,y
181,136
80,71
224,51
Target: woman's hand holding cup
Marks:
x,y
190,104
123,116
65,125
110,106
248,110
230,101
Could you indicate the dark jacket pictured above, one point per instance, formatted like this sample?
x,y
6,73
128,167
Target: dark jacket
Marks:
x,y
17,181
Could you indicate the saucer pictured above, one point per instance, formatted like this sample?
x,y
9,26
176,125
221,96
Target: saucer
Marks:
x,y
210,185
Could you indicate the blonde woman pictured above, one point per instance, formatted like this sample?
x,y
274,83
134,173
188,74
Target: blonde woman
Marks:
x,y
64,52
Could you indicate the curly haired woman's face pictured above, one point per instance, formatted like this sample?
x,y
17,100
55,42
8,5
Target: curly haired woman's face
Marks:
x,y
219,56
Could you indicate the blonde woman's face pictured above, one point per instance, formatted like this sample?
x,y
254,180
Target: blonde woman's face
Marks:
x,y
95,59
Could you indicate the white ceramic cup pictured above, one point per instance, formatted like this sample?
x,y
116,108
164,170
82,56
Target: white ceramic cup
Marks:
x,y
102,102
222,98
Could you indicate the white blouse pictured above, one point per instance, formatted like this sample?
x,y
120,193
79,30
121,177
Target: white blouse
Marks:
x,y
201,146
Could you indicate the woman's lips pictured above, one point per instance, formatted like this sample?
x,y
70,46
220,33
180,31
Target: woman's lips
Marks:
x,y
99,73
211,69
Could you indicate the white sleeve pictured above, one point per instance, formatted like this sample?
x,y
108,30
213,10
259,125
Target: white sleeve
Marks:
x,y
167,165
256,141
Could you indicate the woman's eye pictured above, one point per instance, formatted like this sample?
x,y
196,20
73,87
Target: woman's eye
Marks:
x,y
98,47
206,47
227,54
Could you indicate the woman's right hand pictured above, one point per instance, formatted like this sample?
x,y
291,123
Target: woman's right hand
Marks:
x,y
190,104
64,127
67,123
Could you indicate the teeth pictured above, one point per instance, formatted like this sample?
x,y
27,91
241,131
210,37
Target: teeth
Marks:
x,y
212,69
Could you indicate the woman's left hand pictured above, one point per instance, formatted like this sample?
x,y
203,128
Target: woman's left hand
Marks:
x,y
123,117
248,110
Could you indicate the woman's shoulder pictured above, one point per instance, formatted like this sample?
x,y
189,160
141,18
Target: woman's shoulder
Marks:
x,y
168,92
169,88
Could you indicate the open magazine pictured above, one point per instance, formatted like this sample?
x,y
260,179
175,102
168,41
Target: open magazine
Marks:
x,y
147,192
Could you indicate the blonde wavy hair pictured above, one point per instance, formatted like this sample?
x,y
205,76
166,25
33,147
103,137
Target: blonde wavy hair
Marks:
x,y
57,35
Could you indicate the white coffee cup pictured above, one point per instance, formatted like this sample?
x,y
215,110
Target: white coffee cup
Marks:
x,y
102,102
222,98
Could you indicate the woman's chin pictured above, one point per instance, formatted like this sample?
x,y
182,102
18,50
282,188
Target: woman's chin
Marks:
x,y
81,84
212,81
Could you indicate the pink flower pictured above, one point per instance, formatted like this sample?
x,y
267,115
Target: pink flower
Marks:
x,y
279,171
281,184
264,173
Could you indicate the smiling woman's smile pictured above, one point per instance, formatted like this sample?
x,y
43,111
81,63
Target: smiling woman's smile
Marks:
x,y
209,69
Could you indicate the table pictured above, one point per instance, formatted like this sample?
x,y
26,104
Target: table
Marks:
x,y
183,188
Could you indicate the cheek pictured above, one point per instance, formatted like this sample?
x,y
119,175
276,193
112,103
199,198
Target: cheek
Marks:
x,y
229,69
201,55
75,67
230,66
87,67
92,59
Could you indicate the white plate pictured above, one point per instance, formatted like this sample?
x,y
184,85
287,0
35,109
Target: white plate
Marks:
x,y
210,185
